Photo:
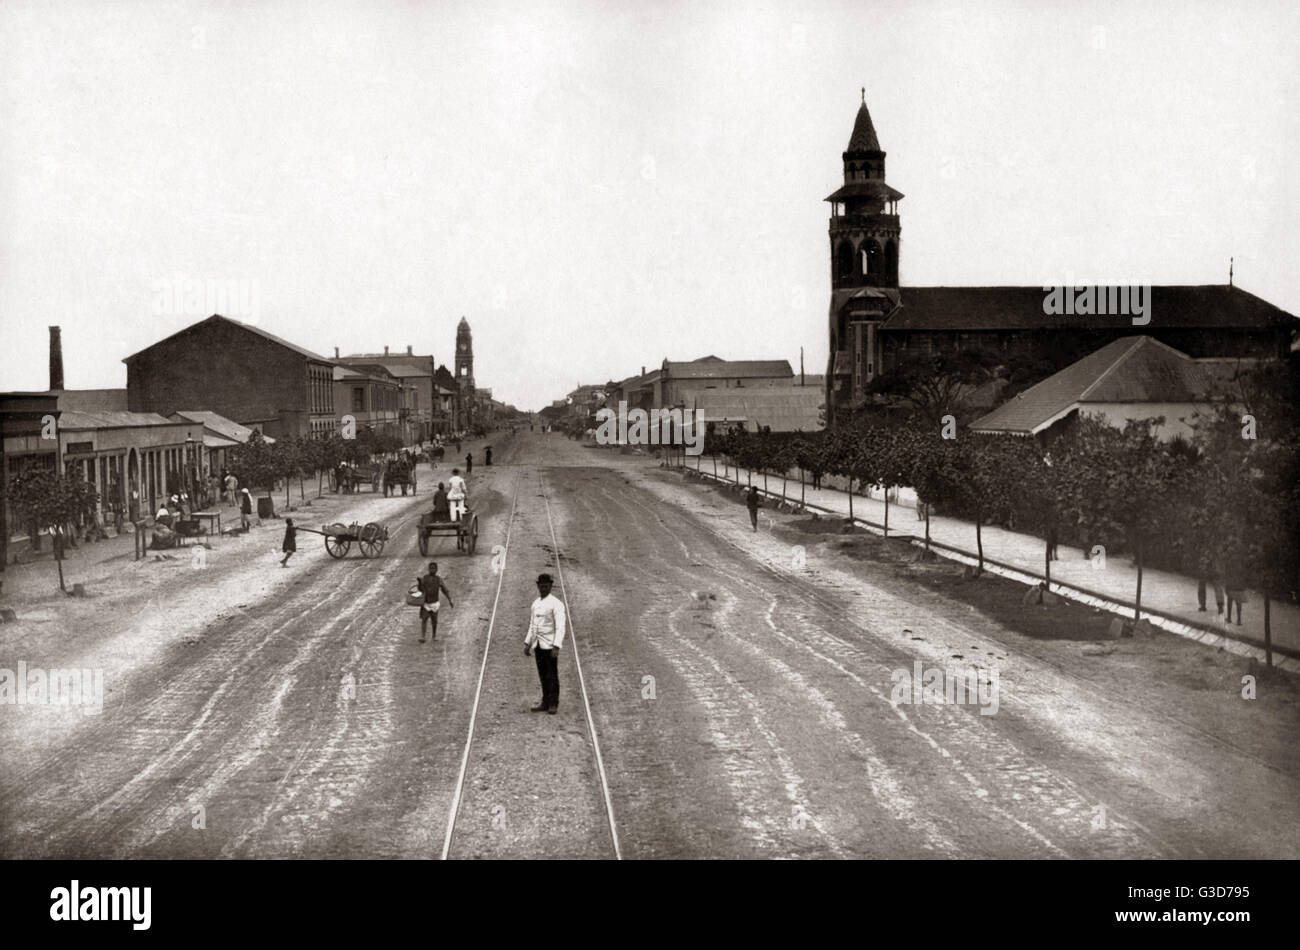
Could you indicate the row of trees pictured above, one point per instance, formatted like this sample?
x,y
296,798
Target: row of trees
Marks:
x,y
44,500
1224,505
260,465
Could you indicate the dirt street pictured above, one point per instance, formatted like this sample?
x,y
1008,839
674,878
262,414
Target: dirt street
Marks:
x,y
743,687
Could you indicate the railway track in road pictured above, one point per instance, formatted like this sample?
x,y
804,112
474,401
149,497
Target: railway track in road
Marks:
x,y
459,791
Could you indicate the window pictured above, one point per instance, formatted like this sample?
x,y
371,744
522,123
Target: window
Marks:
x,y
891,262
358,399
871,259
844,261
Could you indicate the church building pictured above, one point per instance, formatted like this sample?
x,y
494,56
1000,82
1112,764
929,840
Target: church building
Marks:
x,y
876,324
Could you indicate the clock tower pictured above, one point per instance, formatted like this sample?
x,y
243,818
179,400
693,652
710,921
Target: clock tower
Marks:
x,y
465,372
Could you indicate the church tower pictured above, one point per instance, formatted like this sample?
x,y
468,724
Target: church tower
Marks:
x,y
864,245
465,372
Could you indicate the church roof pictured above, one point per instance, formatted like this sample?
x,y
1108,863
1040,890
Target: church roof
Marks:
x,y
1021,308
863,138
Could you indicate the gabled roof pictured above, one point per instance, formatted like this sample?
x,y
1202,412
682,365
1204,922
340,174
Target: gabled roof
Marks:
x,y
226,428
784,410
316,357
1021,308
1134,369
872,299
726,369
863,138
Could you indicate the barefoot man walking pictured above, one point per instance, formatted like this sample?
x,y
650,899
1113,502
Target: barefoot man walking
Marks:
x,y
430,585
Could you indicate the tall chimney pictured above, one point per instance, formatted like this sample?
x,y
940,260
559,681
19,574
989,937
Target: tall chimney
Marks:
x,y
336,352
642,370
56,359
408,350
385,351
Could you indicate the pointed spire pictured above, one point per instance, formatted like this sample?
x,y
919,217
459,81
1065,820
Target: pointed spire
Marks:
x,y
864,133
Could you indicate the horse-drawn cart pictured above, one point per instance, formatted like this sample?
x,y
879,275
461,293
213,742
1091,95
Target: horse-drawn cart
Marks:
x,y
399,471
465,531
370,538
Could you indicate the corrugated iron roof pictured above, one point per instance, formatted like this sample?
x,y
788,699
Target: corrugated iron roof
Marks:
x,y
1137,369
226,428
784,410
111,419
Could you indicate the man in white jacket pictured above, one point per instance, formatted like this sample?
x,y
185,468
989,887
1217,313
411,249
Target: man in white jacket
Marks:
x,y
546,630
457,491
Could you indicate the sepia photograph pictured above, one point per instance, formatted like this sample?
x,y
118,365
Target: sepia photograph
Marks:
x,y
650,432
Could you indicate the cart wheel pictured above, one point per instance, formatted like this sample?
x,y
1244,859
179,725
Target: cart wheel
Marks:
x,y
424,543
472,534
337,547
371,540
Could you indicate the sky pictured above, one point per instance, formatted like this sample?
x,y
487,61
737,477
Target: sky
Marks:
x,y
596,187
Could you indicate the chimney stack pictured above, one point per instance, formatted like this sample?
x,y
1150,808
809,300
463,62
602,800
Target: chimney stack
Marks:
x,y
336,352
642,370
408,350
385,351
56,358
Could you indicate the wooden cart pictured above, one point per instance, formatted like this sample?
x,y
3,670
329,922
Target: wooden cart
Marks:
x,y
465,531
370,538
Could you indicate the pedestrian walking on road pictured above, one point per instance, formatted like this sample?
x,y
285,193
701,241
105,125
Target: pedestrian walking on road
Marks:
x,y
469,462
487,456
245,507
290,541
753,503
431,586
1216,578
232,488
1202,581
546,628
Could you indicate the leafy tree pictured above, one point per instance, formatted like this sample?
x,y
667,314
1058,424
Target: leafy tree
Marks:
x,y
1119,480
937,385
43,499
255,463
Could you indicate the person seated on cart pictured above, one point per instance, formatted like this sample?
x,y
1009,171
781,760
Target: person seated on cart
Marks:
x,y
441,505
457,494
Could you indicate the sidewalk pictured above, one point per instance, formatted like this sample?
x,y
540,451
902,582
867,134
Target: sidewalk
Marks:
x,y
1162,591
36,576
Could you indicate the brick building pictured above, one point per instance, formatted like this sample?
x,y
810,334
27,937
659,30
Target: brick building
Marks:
x,y
372,396
415,373
876,325
240,371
